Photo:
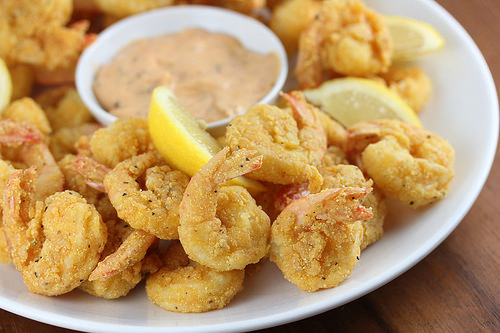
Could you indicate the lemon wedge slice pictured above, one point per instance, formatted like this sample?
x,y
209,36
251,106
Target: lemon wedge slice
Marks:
x,y
412,37
351,100
5,85
181,140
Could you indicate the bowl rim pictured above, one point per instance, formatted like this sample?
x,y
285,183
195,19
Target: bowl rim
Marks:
x,y
88,66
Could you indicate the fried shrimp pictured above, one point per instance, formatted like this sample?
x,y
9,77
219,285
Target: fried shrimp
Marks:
x,y
292,142
292,17
121,284
27,110
54,244
221,226
186,286
120,249
338,174
14,134
316,240
88,177
4,248
13,139
412,84
30,150
66,139
154,209
407,163
77,181
342,175
37,34
121,140
334,155
344,38
116,286
50,178
6,169
91,171
131,251
68,110
74,181
336,134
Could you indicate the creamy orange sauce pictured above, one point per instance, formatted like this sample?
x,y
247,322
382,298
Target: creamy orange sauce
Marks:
x,y
211,74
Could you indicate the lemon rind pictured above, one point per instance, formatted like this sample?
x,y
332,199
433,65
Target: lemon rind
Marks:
x,y
433,40
167,114
5,85
167,118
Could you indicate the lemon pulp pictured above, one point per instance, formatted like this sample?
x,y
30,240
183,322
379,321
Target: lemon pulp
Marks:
x,y
351,100
412,37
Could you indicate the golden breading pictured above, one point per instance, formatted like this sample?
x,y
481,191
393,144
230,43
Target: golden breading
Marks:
x,y
191,287
27,110
292,141
345,38
316,240
58,244
290,18
221,226
407,163
34,33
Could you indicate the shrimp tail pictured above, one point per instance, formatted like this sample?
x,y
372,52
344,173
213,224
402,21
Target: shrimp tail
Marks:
x,y
14,133
360,212
315,179
346,198
309,70
300,107
290,193
343,203
93,171
357,142
237,164
130,252
17,202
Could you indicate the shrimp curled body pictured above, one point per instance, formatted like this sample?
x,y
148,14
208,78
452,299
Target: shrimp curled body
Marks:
x,y
292,142
155,209
406,163
186,286
222,227
316,240
54,244
344,38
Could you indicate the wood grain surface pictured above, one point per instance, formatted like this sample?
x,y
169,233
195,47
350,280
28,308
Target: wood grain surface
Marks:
x,y
454,289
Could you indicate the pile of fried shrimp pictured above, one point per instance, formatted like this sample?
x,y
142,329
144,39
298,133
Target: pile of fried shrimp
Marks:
x,y
90,207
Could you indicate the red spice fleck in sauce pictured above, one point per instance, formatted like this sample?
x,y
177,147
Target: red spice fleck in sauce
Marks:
x,y
212,75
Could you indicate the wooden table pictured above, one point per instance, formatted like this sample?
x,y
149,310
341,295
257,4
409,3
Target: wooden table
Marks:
x,y
454,289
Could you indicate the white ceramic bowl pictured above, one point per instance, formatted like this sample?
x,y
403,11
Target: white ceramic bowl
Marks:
x,y
252,34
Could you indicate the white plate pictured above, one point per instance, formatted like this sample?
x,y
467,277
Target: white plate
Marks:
x,y
463,109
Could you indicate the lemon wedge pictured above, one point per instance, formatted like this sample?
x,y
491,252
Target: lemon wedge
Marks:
x,y
351,100
5,85
181,140
412,37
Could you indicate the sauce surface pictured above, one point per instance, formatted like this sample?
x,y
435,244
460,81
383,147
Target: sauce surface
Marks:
x,y
212,75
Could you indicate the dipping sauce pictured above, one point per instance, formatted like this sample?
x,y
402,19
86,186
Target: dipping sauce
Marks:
x,y
212,75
